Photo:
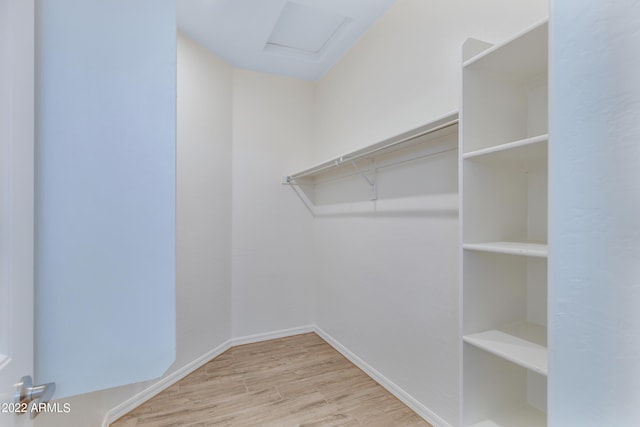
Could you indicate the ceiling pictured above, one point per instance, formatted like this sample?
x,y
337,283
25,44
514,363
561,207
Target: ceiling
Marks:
x,y
296,38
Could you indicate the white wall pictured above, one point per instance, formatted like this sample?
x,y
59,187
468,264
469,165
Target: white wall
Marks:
x,y
203,226
388,285
105,193
594,275
406,69
272,133
204,200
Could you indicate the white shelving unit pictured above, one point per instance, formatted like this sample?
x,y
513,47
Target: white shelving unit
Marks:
x,y
503,165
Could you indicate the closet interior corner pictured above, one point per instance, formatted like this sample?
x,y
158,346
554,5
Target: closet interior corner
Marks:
x,y
496,186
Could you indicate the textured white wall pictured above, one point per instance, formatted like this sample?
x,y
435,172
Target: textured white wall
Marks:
x,y
595,209
272,133
388,286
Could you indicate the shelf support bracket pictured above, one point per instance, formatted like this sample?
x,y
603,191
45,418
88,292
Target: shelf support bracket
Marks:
x,y
371,181
290,181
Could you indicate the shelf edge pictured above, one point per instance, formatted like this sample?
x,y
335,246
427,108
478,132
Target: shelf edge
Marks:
x,y
487,247
507,146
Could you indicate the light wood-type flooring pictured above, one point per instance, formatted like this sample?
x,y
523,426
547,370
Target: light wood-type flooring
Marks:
x,y
293,381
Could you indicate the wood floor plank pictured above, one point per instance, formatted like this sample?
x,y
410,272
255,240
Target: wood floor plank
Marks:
x,y
295,381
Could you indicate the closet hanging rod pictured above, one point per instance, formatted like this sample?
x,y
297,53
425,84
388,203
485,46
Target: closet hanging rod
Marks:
x,y
439,124
386,165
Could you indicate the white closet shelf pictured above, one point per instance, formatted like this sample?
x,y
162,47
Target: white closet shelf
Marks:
x,y
521,57
522,416
522,343
533,249
524,149
405,139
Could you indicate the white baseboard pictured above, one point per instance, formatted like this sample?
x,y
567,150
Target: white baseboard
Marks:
x,y
164,383
135,401
389,385
249,339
